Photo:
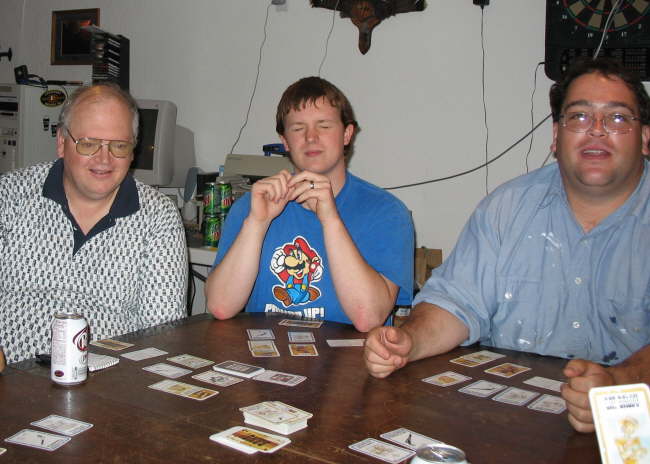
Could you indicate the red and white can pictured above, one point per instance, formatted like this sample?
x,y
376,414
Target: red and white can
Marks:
x,y
70,335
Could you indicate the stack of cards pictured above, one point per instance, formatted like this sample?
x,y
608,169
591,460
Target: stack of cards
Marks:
x,y
250,441
276,416
303,349
97,362
184,389
301,323
263,348
238,369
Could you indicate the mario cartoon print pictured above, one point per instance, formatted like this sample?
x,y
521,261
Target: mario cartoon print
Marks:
x,y
298,266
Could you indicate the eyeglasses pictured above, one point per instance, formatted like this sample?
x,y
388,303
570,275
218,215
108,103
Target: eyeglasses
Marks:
x,y
613,123
89,147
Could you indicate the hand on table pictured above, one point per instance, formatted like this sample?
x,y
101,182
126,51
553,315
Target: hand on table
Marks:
x,y
583,375
386,350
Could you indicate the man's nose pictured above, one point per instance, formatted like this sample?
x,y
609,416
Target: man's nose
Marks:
x,y
311,134
103,154
597,128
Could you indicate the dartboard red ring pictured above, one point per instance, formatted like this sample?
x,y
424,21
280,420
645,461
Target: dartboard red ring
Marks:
x,y
592,14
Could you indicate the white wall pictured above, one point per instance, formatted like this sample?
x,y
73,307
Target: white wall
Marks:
x,y
416,93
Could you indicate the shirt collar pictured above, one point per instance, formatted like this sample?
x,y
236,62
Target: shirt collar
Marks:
x,y
126,201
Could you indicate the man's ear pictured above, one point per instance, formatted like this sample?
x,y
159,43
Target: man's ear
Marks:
x,y
60,142
645,139
554,142
347,134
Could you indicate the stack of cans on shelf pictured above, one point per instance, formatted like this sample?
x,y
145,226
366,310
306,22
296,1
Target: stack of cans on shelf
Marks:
x,y
217,200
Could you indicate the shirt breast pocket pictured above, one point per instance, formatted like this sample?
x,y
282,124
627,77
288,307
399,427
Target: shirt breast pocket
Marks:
x,y
631,320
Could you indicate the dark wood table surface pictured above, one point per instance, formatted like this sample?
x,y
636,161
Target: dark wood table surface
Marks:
x,y
135,424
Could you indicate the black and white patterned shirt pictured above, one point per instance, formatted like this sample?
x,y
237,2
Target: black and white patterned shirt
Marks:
x,y
128,274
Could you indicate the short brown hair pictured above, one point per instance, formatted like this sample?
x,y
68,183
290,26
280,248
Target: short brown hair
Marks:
x,y
310,90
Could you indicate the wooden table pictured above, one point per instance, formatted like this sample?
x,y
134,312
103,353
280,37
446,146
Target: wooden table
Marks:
x,y
135,424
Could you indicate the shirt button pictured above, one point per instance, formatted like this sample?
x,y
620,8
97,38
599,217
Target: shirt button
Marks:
x,y
508,296
578,280
576,325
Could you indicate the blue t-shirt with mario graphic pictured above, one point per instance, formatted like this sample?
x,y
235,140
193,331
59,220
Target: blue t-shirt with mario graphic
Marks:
x,y
294,275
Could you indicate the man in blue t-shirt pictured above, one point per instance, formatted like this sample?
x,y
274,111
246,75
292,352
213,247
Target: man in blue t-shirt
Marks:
x,y
321,243
555,262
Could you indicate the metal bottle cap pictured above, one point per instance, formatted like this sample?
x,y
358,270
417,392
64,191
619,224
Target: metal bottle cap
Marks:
x,y
439,453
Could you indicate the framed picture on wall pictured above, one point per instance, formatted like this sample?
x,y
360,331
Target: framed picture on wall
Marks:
x,y
70,41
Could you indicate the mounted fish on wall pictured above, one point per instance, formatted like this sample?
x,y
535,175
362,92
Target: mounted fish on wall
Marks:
x,y
366,14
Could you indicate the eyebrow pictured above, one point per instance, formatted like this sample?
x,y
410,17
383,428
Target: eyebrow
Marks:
x,y
609,105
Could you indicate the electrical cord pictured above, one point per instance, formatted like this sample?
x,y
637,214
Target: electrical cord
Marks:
x,y
532,117
257,78
485,122
327,41
606,27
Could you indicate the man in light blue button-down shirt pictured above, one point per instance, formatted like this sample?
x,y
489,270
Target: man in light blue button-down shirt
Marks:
x,y
555,262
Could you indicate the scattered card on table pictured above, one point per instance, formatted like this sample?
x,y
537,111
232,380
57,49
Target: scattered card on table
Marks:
x,y
301,323
63,425
301,337
260,334
344,342
507,370
217,378
446,379
40,440
250,440
548,403
408,438
482,388
484,356
145,353
622,419
2,451
380,450
111,344
263,348
463,361
302,349
193,362
237,368
516,396
281,378
543,382
184,389
167,370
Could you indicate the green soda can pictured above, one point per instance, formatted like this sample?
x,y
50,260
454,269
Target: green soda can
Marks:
x,y
210,199
211,230
225,197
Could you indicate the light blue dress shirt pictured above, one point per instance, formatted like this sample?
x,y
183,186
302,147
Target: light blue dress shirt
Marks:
x,y
525,276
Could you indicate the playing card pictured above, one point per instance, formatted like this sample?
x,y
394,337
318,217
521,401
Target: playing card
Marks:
x,y
40,440
281,378
341,343
237,368
301,337
167,370
408,438
301,323
111,344
190,361
482,388
63,425
446,379
276,412
263,348
515,396
184,389
548,403
622,419
216,378
463,361
250,440
543,382
301,349
507,370
380,450
484,356
2,451
260,334
145,353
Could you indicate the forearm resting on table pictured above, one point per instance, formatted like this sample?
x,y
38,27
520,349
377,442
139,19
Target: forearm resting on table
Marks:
x,y
229,285
433,331
635,369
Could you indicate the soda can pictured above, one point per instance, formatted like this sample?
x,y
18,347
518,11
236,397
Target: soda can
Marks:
x,y
439,453
69,363
210,199
211,230
225,197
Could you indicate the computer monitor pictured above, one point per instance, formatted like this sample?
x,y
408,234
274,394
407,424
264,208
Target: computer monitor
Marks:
x,y
153,161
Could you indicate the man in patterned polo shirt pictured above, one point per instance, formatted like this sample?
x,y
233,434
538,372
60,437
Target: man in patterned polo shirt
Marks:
x,y
80,234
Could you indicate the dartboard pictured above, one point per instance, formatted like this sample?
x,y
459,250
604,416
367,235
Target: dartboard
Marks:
x,y
575,28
